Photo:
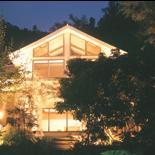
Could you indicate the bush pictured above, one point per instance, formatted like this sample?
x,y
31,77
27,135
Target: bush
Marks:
x,y
117,152
11,136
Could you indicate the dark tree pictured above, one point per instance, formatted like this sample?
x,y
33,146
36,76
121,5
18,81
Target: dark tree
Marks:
x,y
115,29
143,13
2,34
99,93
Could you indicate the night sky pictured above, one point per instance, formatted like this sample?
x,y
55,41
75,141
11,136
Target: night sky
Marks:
x,y
45,13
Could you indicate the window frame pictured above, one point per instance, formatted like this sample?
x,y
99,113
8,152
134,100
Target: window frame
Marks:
x,y
48,62
48,48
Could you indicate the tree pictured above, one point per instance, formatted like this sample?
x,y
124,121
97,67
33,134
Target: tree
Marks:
x,y
57,26
16,33
83,23
96,94
17,115
115,29
8,72
143,13
35,28
2,34
21,120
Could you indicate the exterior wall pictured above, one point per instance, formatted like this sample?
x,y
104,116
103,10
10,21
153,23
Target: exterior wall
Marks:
x,y
24,56
44,63
45,94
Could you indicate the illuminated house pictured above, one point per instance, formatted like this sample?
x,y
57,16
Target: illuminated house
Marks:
x,y
45,62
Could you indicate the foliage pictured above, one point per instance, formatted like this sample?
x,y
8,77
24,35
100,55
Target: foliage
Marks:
x,y
117,152
57,26
12,36
19,116
129,81
94,94
12,136
112,92
8,72
2,34
115,29
15,34
83,23
22,119
142,12
108,92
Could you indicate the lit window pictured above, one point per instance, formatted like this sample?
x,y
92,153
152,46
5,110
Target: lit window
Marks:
x,y
56,46
56,61
77,42
77,45
92,49
53,121
41,51
48,68
77,52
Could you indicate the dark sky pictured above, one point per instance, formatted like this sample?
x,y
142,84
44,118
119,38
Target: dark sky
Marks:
x,y
44,14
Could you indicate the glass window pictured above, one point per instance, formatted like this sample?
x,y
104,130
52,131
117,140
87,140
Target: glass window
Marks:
x,y
78,42
57,52
48,68
41,51
56,68
77,52
53,121
56,46
92,49
40,69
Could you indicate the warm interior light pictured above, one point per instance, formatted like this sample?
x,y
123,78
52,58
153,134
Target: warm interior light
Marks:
x,y
1,114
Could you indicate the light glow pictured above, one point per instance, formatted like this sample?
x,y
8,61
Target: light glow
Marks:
x,y
1,114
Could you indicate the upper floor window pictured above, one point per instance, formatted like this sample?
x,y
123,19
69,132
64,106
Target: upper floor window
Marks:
x,y
56,46
80,47
51,48
77,46
41,51
92,49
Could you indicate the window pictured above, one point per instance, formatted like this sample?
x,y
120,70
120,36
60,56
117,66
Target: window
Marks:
x,y
51,48
76,41
56,68
77,45
56,46
48,68
40,69
76,51
41,51
80,47
53,121
92,49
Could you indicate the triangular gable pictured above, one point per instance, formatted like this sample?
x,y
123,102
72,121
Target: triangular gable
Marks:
x,y
73,31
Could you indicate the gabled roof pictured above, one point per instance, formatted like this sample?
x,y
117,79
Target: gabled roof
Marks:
x,y
64,28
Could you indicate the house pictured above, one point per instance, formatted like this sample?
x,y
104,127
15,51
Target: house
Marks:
x,y
44,62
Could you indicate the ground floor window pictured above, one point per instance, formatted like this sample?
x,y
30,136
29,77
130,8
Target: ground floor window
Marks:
x,y
53,121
